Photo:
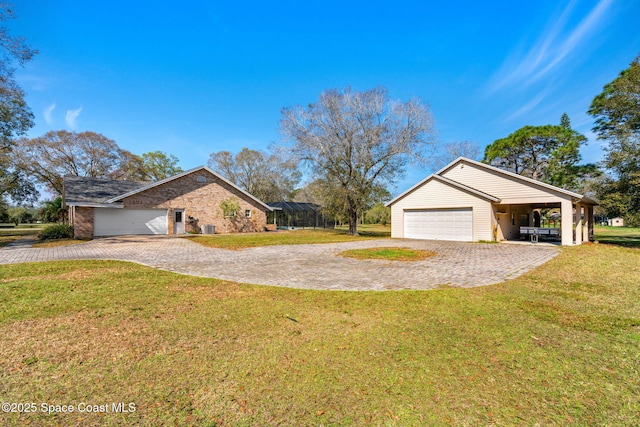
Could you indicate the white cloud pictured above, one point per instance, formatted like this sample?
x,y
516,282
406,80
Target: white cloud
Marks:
x,y
71,117
47,114
553,46
528,106
580,33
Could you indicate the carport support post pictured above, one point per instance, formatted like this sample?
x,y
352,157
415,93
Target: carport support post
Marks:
x,y
578,224
588,218
566,209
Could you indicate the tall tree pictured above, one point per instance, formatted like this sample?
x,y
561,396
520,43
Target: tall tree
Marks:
x,y
61,153
549,153
617,114
357,141
158,165
617,110
446,153
15,115
269,177
52,211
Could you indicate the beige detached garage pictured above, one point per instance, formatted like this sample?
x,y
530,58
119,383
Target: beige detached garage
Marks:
x,y
442,209
470,201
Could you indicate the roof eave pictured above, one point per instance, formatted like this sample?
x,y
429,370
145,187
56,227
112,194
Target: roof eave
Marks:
x,y
96,205
472,190
510,174
185,173
409,191
447,181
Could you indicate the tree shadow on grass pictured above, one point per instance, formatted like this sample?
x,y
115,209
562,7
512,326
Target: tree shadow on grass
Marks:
x,y
374,233
627,240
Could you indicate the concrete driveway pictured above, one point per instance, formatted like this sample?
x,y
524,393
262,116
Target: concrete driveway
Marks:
x,y
315,266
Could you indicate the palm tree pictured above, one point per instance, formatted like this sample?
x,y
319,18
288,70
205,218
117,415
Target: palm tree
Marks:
x,y
52,211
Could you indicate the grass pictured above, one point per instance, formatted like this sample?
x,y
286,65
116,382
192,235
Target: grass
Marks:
x,y
5,225
57,242
286,237
624,236
389,254
557,346
10,233
369,229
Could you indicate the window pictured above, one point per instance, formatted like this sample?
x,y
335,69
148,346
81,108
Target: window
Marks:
x,y
247,213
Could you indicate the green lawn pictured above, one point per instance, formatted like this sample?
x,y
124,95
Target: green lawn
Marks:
x,y
624,236
289,237
557,346
389,254
9,233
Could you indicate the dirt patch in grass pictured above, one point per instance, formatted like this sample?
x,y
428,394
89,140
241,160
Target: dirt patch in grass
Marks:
x,y
388,253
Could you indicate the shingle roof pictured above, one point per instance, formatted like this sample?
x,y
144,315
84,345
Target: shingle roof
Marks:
x,y
80,190
147,185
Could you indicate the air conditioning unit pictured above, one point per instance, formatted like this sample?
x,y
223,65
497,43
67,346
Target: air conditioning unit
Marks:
x,y
209,229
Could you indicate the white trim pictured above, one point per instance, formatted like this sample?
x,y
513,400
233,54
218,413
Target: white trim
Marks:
x,y
510,174
449,182
180,175
96,205
467,188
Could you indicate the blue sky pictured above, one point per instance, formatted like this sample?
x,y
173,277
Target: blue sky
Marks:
x,y
190,78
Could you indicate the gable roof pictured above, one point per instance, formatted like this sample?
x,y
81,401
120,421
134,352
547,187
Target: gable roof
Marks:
x,y
510,174
79,190
466,188
450,182
148,186
525,180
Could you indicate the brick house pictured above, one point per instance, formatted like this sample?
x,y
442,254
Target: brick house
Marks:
x,y
187,202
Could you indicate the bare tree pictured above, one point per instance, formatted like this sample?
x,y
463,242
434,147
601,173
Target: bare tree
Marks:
x,y
16,117
57,154
268,177
357,141
448,152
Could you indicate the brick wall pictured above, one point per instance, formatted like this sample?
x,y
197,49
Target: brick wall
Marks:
x,y
82,222
201,200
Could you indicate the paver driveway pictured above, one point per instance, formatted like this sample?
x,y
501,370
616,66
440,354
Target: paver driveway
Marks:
x,y
314,266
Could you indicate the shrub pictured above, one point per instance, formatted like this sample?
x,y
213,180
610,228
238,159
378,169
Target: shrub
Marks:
x,y
56,231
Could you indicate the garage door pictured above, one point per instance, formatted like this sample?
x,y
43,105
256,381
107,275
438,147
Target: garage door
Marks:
x,y
117,222
439,224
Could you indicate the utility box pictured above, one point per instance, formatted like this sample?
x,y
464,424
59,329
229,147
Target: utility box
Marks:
x,y
209,229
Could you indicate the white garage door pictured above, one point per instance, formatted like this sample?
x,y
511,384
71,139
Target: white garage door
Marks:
x,y
117,222
439,224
